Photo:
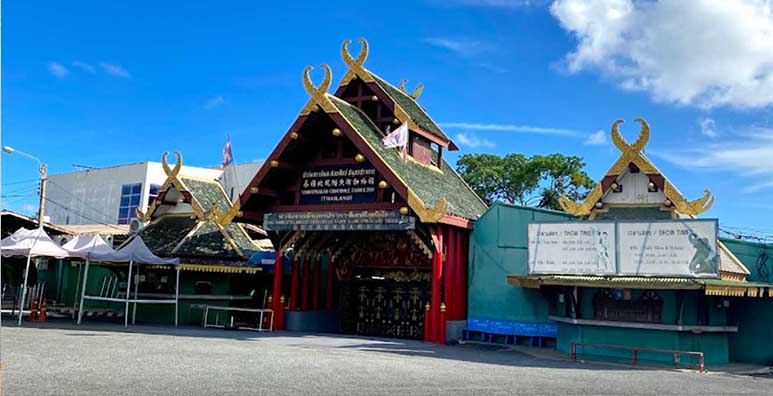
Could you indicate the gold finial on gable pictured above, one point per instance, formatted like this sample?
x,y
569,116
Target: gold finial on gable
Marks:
x,y
177,165
416,92
638,145
356,67
319,93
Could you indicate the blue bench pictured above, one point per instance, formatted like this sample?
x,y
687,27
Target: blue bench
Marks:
x,y
489,329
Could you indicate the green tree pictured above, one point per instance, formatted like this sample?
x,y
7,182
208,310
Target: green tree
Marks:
x,y
531,181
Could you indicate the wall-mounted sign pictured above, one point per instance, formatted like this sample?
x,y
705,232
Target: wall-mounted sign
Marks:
x,y
338,184
364,220
682,248
572,248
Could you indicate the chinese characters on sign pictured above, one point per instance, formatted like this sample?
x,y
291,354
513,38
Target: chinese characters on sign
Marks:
x,y
365,220
572,248
685,248
338,184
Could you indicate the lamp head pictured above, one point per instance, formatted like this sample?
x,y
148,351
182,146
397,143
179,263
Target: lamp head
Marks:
x,y
9,149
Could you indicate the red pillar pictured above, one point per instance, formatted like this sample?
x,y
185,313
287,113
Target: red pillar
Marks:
x,y
276,294
316,280
294,282
305,284
437,279
450,281
329,287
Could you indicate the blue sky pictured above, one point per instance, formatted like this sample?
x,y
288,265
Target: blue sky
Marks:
x,y
100,83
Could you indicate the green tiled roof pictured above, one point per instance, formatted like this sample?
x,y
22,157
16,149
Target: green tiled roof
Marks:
x,y
207,240
413,109
208,194
165,234
428,184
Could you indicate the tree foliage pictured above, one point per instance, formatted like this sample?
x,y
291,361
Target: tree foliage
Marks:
x,y
531,181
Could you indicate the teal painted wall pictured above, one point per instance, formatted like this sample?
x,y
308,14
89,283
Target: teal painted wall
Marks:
x,y
498,248
754,316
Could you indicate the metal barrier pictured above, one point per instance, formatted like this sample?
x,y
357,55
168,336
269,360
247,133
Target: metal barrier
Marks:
x,y
635,353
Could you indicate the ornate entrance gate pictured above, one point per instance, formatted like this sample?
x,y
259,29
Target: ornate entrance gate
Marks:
x,y
386,308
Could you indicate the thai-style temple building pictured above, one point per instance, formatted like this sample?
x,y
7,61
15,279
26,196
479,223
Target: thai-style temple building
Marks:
x,y
636,289
192,219
377,236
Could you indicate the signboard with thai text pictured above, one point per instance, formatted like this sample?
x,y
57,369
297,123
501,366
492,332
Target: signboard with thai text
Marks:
x,y
338,184
679,248
572,248
365,220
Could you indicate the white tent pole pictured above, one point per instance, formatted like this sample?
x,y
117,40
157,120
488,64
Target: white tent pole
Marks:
x,y
128,291
177,297
83,289
77,287
24,287
136,287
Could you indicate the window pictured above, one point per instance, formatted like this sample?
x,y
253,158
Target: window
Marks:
x,y
130,200
607,305
153,193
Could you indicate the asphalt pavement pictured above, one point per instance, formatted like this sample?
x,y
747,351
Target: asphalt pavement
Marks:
x,y
106,359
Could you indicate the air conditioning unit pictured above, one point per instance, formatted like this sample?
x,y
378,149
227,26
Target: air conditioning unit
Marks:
x,y
135,226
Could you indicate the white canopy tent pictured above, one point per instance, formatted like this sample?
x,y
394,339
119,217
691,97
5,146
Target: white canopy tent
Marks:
x,y
135,252
81,246
30,243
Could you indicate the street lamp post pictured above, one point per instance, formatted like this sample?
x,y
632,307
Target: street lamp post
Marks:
x,y
41,212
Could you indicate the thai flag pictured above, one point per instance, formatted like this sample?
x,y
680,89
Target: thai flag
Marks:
x,y
228,158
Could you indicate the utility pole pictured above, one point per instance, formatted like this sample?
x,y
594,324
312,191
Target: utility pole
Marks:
x,y
43,182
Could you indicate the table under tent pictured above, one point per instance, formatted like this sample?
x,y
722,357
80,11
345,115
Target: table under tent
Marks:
x,y
30,244
135,253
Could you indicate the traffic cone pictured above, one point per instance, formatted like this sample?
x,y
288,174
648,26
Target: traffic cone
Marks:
x,y
34,311
43,310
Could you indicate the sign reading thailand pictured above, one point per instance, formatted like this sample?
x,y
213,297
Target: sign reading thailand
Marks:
x,y
365,220
338,184
572,248
682,248
679,248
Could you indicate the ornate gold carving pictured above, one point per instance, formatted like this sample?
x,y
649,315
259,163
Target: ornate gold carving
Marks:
x,y
177,166
416,92
632,154
383,184
294,135
337,132
227,217
427,215
274,163
356,68
359,158
318,94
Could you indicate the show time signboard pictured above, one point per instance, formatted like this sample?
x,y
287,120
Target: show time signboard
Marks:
x,y
682,248
338,184
572,248
361,220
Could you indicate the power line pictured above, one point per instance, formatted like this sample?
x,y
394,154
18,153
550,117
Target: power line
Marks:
x,y
73,211
86,204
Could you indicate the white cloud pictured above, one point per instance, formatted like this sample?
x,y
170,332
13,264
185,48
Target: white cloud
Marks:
x,y
215,102
473,141
507,4
748,155
597,138
114,70
58,70
708,127
460,46
511,128
689,52
84,66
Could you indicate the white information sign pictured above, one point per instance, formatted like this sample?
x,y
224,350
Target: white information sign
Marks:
x,y
680,248
572,248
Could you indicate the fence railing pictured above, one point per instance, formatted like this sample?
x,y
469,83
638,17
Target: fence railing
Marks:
x,y
635,353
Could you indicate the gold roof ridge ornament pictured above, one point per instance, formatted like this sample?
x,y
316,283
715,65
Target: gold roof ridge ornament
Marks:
x,y
425,213
318,94
177,166
416,92
356,68
632,153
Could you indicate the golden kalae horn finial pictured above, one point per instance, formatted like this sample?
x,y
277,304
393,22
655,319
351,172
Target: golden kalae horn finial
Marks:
x,y
402,86
416,92
323,87
348,59
638,145
177,165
